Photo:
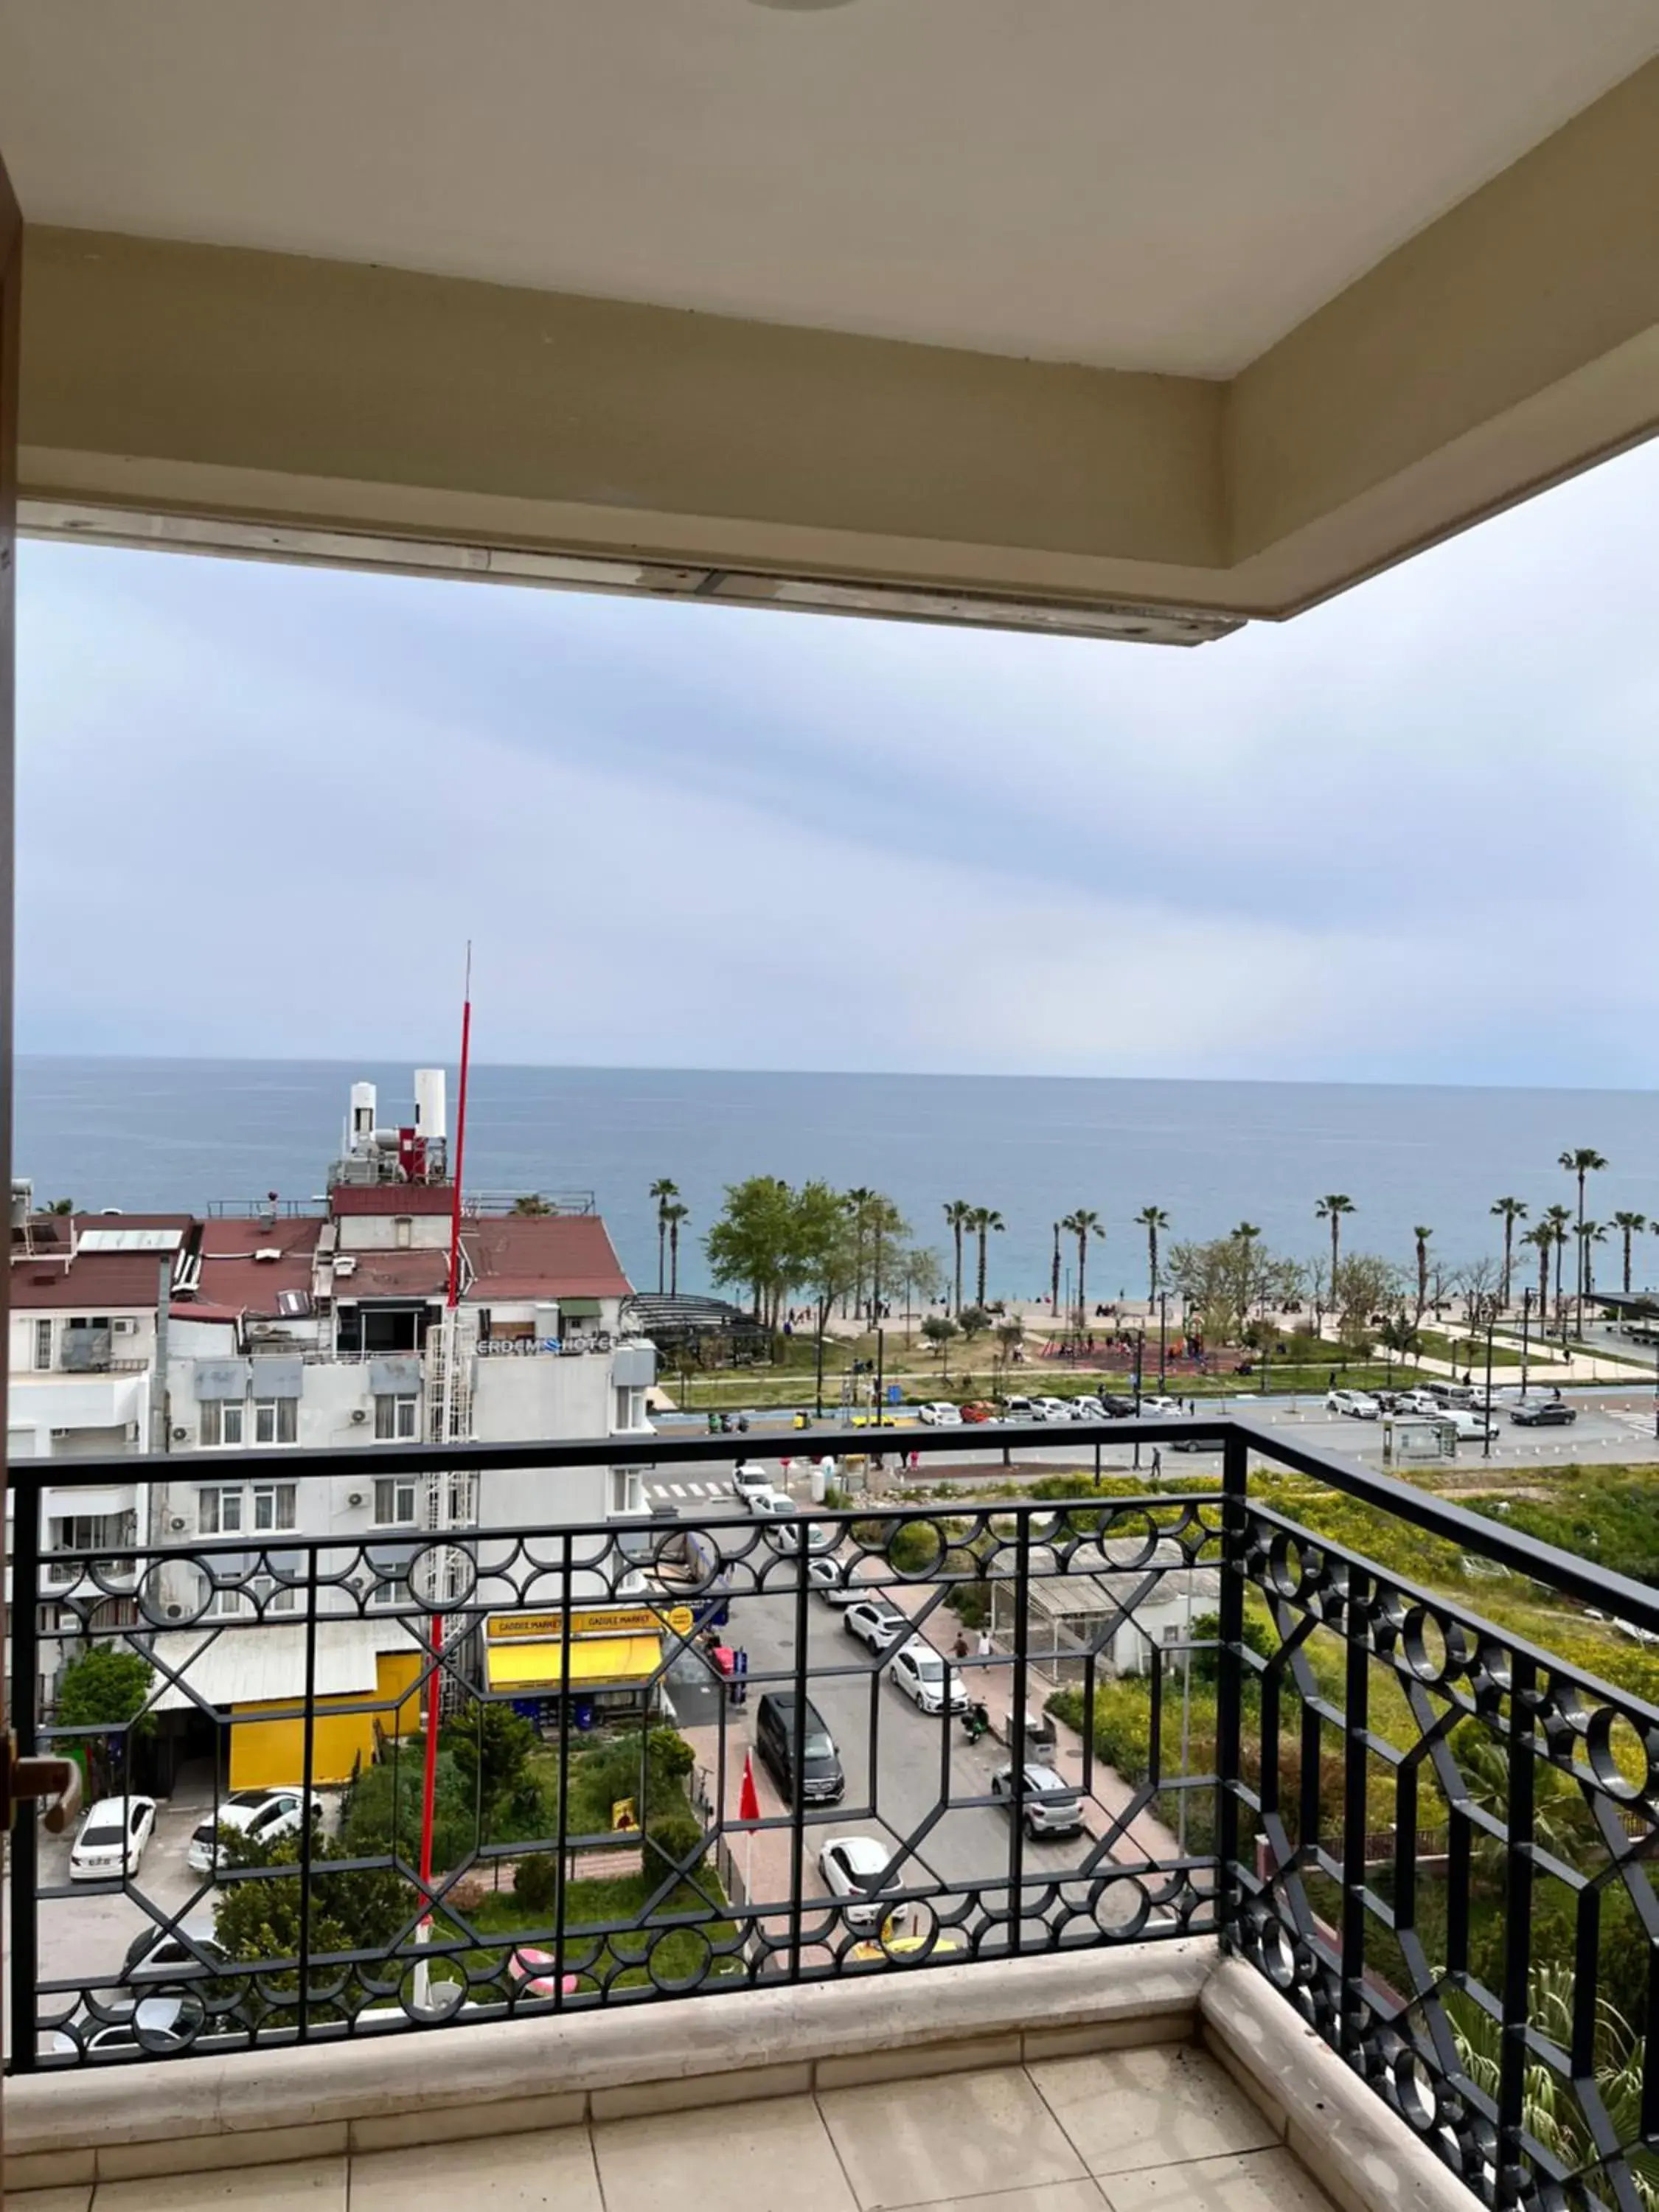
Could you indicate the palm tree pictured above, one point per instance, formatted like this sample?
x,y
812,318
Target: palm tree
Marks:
x,y
1591,1233
1543,1239
1151,1219
1083,1224
1627,1224
1054,1279
984,1220
1559,1221
1509,1210
857,1203
1422,1236
533,1203
1584,1161
673,1216
1331,1209
957,1214
665,1193
1246,1233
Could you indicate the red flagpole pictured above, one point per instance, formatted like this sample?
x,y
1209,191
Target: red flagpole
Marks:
x,y
429,1786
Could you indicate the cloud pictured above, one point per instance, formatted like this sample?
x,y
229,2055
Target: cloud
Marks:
x,y
261,810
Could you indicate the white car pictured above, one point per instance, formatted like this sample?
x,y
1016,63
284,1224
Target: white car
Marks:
x,y
855,1868
768,1504
930,1681
1051,1409
110,1845
1416,1401
1160,1408
878,1624
1087,1409
1024,1409
1468,1422
1357,1405
940,1413
749,1475
262,1815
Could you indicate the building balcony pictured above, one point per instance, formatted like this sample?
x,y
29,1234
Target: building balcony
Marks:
x,y
1198,1844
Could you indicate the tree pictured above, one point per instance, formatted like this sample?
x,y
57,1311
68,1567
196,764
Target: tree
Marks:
x,y
1152,1219
973,1322
957,1215
665,1193
1083,1224
1509,1210
1053,1278
939,1330
1331,1209
491,1746
821,1251
857,1203
105,1687
356,1909
1422,1235
61,1205
1560,1222
985,1220
1221,1280
1582,1161
1542,1239
750,1247
1398,1336
672,1215
1628,1226
1364,1285
1591,1234
921,1275
531,1203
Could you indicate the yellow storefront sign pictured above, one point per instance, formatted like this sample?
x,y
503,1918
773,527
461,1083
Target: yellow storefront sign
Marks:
x,y
600,1663
601,1621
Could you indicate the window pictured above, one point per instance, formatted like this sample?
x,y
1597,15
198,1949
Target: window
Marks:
x,y
273,1502
219,1512
88,1533
627,1489
278,1597
404,1232
276,1420
393,1590
394,1503
42,1344
397,1420
222,1421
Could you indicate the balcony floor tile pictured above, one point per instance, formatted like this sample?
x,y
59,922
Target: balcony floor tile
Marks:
x,y
1258,2181
307,2184
775,2156
1127,2109
955,2134
513,2174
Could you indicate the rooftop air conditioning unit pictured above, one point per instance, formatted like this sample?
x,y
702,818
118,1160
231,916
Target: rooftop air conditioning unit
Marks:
x,y
355,1497
177,1523
175,1612
179,1435
360,1413
345,1264
268,1252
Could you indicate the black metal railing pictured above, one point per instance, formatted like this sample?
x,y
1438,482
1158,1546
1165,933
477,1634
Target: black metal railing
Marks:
x,y
1256,1701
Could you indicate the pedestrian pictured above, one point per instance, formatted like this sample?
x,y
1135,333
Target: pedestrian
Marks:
x,y
961,1646
984,1646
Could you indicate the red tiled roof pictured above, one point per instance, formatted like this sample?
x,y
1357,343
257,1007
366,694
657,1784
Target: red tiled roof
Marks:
x,y
411,1198
232,1277
93,1283
543,1256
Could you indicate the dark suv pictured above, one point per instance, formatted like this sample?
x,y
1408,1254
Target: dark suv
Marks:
x,y
823,1782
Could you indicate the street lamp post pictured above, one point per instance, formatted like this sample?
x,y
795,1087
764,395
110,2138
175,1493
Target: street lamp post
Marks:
x,y
1163,1336
1526,1336
1492,1319
1140,1354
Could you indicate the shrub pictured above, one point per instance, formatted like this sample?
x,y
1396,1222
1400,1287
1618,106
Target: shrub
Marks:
x,y
677,1835
535,1883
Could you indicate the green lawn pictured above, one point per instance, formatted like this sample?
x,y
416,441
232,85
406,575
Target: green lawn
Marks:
x,y
683,1954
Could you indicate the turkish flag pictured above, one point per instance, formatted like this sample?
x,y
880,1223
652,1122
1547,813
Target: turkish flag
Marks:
x,y
749,1797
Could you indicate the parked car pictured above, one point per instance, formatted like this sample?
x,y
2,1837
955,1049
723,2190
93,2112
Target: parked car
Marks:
x,y
1193,1444
977,1412
1544,1414
110,1843
1451,1393
1021,1409
843,1594
1087,1408
1357,1405
1116,1408
855,1868
1161,1409
929,1680
262,1815
749,1474
1415,1402
167,1954
1051,1409
877,1623
1051,1807
822,1780
823,1574
940,1413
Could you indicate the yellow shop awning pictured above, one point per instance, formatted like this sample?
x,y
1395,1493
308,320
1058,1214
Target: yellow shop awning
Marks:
x,y
596,1662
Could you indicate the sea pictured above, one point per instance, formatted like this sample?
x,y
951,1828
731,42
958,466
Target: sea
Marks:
x,y
179,1134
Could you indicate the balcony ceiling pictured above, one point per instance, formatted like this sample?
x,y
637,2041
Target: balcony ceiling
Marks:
x,y
1174,188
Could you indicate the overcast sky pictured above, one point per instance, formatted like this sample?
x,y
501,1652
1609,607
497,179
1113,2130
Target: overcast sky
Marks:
x,y
1409,836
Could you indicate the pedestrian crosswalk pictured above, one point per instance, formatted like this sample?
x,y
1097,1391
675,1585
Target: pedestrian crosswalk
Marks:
x,y
675,1493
